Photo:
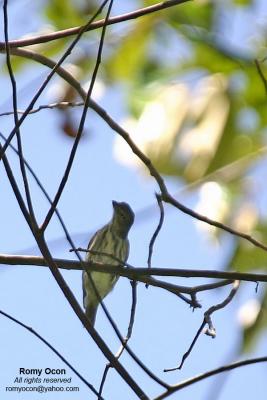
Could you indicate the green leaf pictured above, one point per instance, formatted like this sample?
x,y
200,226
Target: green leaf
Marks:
x,y
130,56
192,14
64,14
248,257
243,2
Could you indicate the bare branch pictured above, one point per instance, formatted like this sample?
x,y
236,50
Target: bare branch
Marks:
x,y
138,274
59,104
165,195
103,380
16,190
57,197
49,261
207,374
41,186
48,78
31,330
67,292
200,329
133,272
94,25
80,314
15,106
69,295
127,338
158,228
210,331
261,74
68,236
62,185
132,315
169,199
82,122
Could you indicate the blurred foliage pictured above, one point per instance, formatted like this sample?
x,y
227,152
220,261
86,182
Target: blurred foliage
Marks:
x,y
196,103
252,333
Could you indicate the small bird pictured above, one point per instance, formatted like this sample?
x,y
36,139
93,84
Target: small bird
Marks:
x,y
111,239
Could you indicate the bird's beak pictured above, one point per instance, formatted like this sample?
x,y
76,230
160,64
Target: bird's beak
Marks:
x,y
115,204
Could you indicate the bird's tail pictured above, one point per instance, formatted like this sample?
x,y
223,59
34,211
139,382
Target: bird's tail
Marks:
x,y
90,312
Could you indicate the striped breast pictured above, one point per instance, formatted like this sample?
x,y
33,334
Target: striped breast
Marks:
x,y
104,241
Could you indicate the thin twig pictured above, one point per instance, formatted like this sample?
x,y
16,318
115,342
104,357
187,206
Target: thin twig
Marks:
x,y
155,234
61,187
171,200
138,274
166,196
94,334
31,330
132,272
131,321
173,288
81,124
102,253
67,292
210,331
261,74
49,37
59,104
16,190
71,243
15,107
187,353
49,261
127,338
103,380
208,374
41,186
50,75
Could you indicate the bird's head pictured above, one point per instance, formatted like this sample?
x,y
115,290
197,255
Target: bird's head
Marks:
x,y
123,218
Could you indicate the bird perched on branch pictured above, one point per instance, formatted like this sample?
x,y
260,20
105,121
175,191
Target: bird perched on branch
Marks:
x,y
109,245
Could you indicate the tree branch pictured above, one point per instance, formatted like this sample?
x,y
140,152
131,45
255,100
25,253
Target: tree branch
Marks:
x,y
127,338
94,25
48,78
261,75
31,330
165,195
157,230
81,124
207,374
15,114
49,261
210,331
60,104
133,272
138,274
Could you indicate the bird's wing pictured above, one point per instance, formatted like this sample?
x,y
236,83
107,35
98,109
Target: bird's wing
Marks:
x,y
98,236
127,250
